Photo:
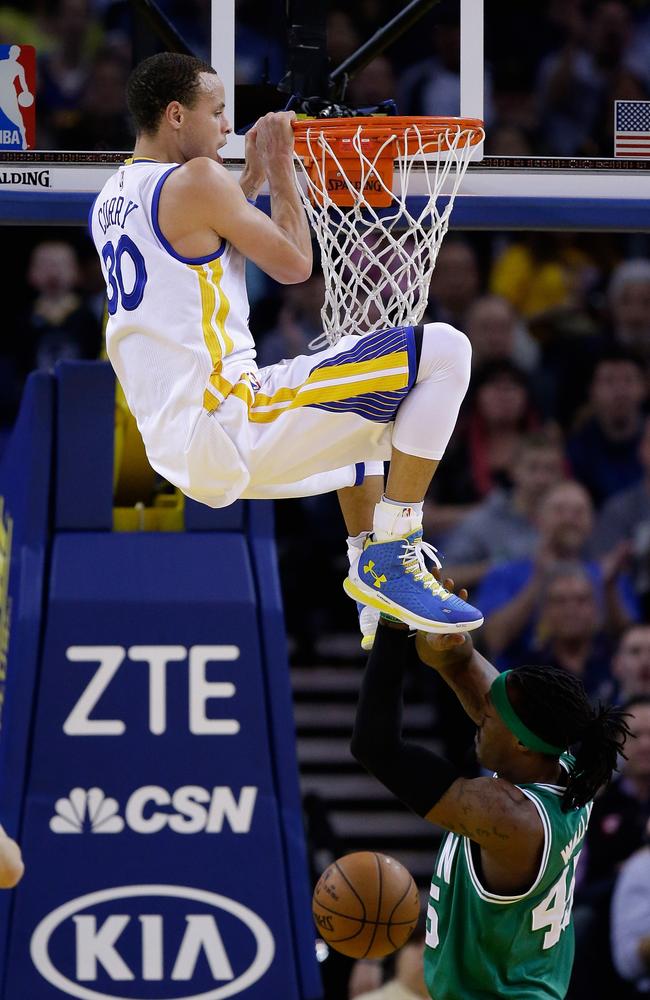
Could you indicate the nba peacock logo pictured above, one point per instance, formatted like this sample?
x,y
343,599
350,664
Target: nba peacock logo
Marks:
x,y
17,89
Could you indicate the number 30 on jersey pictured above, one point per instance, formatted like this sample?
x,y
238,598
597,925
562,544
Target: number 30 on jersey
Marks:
x,y
126,274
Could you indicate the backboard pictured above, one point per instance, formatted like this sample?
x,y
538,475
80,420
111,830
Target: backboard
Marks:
x,y
533,72
542,166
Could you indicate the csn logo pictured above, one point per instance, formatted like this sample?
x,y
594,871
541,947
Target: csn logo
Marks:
x,y
190,809
195,944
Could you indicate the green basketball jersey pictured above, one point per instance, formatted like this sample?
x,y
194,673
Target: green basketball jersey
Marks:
x,y
481,945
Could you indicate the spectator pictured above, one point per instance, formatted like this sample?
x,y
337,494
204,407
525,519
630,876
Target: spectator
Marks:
x,y
630,919
541,274
59,325
625,521
569,633
498,413
620,814
627,511
408,980
103,122
64,71
342,36
432,86
192,18
366,975
616,830
573,79
298,323
604,451
496,334
508,139
631,663
509,594
374,84
455,284
628,296
503,527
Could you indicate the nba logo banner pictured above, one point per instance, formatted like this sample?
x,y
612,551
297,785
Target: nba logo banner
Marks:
x,y
17,89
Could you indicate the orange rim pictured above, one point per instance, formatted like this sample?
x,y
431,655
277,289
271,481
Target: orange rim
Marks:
x,y
378,129
355,163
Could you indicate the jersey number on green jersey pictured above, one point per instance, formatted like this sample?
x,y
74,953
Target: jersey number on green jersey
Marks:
x,y
554,911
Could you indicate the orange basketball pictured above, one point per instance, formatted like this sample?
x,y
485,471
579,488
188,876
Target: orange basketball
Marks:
x,y
366,905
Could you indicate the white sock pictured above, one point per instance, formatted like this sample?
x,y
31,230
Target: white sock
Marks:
x,y
395,518
355,545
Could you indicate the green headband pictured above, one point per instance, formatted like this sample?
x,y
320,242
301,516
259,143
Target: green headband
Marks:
x,y
501,701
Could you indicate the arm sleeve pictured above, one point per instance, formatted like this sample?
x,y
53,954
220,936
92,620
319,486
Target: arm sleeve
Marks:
x,y
416,775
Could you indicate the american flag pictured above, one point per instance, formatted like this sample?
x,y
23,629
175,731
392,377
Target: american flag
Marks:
x,y
632,128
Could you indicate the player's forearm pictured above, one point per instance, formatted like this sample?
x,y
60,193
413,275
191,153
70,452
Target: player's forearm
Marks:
x,y
250,185
467,673
287,211
416,775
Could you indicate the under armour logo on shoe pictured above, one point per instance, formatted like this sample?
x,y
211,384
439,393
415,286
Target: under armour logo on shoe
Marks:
x,y
370,568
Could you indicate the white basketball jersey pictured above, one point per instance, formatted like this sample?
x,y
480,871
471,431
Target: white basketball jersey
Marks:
x,y
177,333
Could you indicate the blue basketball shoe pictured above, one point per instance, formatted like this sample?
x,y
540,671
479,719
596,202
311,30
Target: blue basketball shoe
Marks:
x,y
393,578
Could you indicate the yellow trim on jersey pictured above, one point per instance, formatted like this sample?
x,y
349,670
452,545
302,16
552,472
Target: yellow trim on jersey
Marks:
x,y
335,383
399,359
390,364
215,307
331,394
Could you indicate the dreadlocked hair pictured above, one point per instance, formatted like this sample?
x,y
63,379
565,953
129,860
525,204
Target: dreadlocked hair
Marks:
x,y
553,704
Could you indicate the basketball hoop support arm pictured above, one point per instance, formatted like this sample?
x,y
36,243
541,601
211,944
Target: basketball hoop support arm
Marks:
x,y
165,30
382,38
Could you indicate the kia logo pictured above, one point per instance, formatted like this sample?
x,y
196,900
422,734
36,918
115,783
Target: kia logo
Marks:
x,y
99,945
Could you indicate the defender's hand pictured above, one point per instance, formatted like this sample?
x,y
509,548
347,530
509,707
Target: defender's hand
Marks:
x,y
430,645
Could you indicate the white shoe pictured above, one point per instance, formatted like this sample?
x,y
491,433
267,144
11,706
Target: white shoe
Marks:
x,y
368,622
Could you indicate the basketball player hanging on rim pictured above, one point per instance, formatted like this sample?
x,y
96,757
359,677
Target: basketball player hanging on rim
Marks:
x,y
173,229
499,916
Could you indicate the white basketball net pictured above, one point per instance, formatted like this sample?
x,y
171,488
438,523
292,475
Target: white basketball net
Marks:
x,y
378,263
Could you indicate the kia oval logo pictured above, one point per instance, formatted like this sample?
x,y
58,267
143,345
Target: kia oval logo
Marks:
x,y
101,946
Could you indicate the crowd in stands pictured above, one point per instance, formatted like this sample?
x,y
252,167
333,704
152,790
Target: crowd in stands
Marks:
x,y
541,506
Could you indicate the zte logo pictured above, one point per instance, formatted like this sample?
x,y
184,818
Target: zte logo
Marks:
x,y
156,660
190,809
177,937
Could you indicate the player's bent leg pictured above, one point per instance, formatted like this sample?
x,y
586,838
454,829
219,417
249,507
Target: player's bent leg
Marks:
x,y
357,505
392,575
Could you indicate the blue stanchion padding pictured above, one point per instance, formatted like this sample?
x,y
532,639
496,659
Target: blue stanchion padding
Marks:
x,y
156,866
199,517
470,212
279,711
84,446
25,484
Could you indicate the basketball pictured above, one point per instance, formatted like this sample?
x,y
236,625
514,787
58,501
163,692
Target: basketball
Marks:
x,y
366,905
25,99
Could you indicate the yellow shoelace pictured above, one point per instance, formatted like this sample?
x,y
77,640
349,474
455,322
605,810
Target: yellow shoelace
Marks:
x,y
413,562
